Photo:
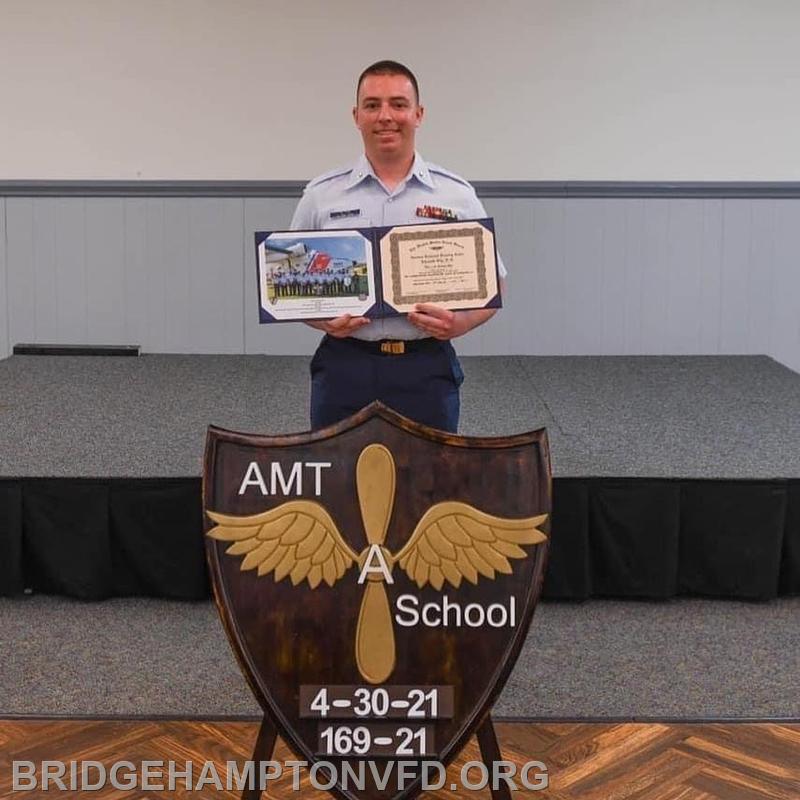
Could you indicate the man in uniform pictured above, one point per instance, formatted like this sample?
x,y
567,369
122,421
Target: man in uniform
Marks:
x,y
406,362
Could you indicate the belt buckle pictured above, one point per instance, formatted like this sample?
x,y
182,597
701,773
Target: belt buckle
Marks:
x,y
395,348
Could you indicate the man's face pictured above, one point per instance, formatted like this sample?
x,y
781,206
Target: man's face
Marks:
x,y
387,114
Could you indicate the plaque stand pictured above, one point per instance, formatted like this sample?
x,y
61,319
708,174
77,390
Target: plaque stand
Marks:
x,y
265,746
490,752
487,742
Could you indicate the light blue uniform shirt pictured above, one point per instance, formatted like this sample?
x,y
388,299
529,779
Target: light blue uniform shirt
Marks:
x,y
354,197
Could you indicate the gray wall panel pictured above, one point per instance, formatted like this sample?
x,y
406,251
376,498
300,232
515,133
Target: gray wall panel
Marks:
x,y
521,318
684,270
612,266
20,272
216,288
72,300
609,275
136,271
156,277
512,232
655,277
105,270
4,346
177,277
582,311
543,267
786,285
711,260
45,273
195,251
761,277
734,295
633,276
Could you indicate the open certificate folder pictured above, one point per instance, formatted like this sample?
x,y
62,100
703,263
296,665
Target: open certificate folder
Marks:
x,y
376,272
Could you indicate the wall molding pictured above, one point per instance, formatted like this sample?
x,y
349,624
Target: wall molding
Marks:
x,y
508,189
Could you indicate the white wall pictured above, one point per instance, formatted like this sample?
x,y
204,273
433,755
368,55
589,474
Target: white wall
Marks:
x,y
699,90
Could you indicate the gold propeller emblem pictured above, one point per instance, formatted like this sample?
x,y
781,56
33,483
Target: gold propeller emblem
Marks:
x,y
452,541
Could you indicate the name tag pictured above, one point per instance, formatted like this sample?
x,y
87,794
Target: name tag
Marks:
x,y
350,212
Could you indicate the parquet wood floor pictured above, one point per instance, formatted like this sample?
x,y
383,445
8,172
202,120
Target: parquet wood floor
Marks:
x,y
590,761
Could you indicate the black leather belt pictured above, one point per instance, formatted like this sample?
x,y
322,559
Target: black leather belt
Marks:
x,y
393,347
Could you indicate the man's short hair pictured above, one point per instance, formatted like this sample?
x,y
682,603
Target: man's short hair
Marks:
x,y
388,68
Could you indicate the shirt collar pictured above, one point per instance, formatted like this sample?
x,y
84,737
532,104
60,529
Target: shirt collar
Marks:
x,y
362,170
419,170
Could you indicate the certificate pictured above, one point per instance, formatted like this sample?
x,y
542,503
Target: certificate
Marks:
x,y
375,272
452,265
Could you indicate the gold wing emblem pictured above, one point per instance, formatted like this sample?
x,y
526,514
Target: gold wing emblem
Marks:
x,y
455,540
298,539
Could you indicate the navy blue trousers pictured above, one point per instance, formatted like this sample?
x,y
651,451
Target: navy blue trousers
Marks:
x,y
422,385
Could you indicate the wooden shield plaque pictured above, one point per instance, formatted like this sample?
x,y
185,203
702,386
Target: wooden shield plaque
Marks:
x,y
376,580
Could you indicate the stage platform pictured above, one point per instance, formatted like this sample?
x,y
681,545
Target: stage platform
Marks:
x,y
673,475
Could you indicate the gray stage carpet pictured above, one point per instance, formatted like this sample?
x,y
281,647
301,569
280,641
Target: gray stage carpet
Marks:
x,y
688,417
690,659
617,416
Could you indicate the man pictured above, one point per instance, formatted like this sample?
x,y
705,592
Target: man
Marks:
x,y
358,359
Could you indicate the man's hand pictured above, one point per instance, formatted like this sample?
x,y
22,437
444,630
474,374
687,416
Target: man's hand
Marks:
x,y
441,323
339,327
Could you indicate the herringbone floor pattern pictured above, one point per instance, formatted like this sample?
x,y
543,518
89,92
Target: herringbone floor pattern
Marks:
x,y
631,761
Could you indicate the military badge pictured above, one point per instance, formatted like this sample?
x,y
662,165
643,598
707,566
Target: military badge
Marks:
x,y
376,580
435,212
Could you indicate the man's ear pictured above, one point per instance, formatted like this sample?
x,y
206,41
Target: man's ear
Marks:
x,y
420,114
355,115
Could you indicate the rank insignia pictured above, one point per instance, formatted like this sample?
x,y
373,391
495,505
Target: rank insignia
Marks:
x,y
435,212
